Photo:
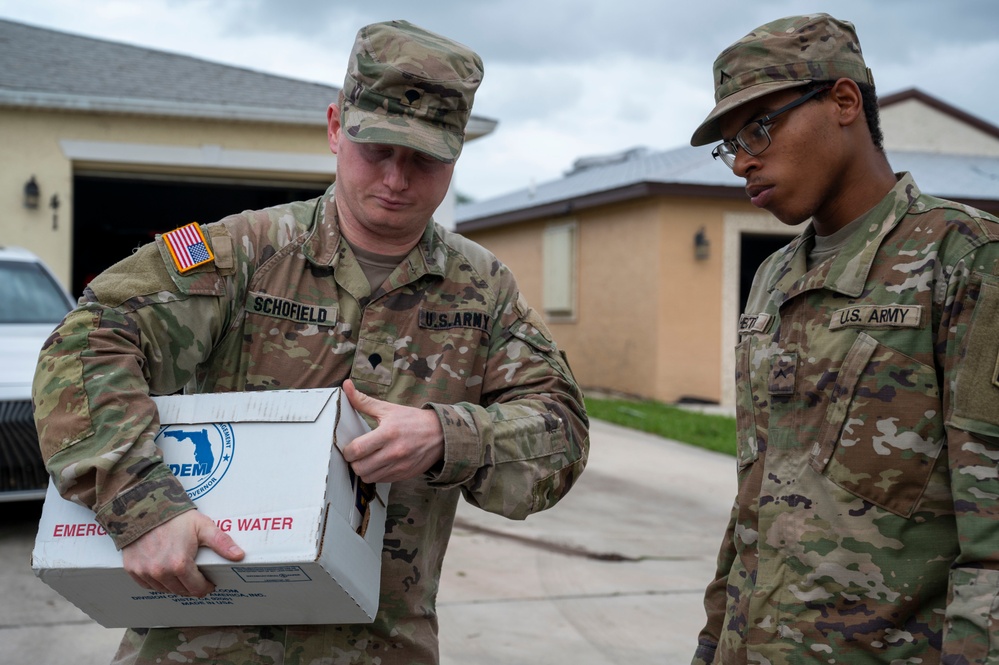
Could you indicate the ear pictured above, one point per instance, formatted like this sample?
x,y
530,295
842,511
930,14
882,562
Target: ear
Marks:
x,y
849,101
333,127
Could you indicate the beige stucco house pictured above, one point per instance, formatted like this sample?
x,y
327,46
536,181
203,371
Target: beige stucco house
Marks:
x,y
106,144
641,261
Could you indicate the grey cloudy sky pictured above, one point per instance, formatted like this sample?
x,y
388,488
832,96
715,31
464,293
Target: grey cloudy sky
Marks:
x,y
564,78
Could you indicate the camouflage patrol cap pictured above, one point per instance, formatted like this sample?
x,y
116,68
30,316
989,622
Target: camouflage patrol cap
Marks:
x,y
782,54
410,87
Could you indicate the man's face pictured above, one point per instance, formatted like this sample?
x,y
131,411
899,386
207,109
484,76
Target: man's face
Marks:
x,y
385,194
794,178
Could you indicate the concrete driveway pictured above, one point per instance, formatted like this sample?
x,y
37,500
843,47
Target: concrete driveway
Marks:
x,y
613,575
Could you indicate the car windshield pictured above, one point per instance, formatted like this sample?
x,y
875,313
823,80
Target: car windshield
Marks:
x,y
29,295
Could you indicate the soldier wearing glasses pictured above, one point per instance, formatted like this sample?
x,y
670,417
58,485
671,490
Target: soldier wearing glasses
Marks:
x,y
867,514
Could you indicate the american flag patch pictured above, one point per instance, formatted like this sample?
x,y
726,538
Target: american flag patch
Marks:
x,y
188,247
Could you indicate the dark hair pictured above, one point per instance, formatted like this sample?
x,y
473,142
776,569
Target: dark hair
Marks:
x,y
871,114
870,99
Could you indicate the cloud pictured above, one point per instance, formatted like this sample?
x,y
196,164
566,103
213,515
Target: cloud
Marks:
x,y
561,113
564,79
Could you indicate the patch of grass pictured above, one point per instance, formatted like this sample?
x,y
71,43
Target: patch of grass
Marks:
x,y
698,429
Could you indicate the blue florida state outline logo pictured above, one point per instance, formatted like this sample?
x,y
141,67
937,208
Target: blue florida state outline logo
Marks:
x,y
201,454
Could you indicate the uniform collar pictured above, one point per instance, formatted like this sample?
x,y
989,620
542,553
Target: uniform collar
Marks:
x,y
432,251
322,247
848,272
324,237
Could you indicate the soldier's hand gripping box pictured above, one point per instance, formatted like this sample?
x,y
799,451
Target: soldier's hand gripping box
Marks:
x,y
266,467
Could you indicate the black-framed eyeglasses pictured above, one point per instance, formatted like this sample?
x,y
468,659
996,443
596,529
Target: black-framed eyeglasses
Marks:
x,y
754,138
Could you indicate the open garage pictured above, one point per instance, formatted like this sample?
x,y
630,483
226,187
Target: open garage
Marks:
x,y
113,213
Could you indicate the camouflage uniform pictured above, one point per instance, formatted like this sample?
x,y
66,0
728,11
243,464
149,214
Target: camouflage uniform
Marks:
x,y
867,515
286,305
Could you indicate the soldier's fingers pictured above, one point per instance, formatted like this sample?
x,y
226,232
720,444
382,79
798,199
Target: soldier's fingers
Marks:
x,y
364,446
185,580
184,585
386,466
193,584
360,459
147,582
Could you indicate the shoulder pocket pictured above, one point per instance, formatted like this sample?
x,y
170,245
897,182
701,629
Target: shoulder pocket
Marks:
x,y
140,274
976,395
531,328
203,280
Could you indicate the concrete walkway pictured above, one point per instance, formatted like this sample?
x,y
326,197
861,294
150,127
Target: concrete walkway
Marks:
x,y
612,575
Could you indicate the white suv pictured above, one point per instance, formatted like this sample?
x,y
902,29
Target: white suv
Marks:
x,y
32,302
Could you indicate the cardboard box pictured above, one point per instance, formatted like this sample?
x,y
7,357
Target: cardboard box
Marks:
x,y
266,467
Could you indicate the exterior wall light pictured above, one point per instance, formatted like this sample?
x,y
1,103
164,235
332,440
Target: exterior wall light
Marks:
x,y
31,194
702,246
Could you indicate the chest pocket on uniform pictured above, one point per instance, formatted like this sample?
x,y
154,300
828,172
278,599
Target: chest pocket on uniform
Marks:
x,y
749,399
883,430
752,385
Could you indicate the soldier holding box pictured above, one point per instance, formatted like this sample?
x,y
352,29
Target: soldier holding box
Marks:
x,y
426,332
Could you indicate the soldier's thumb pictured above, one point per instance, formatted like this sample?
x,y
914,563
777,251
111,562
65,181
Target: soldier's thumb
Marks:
x,y
221,543
362,403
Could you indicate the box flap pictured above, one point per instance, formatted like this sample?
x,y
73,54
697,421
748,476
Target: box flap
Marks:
x,y
349,426
285,406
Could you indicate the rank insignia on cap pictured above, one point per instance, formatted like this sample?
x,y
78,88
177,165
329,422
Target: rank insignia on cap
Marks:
x,y
188,247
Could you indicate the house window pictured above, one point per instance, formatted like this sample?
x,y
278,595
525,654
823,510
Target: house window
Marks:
x,y
559,270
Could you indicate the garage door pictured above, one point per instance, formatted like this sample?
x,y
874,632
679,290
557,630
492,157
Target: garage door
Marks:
x,y
113,215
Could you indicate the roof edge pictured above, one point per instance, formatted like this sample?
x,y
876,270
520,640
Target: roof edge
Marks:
x,y
477,126
157,107
565,207
939,105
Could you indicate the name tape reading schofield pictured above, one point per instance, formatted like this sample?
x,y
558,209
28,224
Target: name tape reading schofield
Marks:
x,y
282,308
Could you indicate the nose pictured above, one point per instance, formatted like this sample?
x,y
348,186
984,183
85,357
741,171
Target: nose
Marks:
x,y
744,163
396,177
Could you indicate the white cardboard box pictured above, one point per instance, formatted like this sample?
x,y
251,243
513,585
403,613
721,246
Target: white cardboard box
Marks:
x,y
266,467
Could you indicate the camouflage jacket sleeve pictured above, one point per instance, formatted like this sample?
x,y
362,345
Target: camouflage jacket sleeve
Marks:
x,y
716,597
969,339
521,449
96,423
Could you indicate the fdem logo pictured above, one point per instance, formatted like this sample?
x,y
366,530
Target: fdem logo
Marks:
x,y
201,454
